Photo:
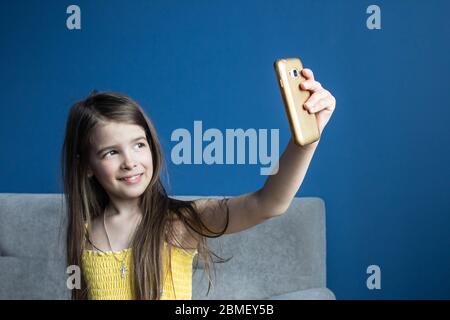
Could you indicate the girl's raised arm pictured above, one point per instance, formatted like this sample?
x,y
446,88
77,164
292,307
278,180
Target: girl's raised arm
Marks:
x,y
274,198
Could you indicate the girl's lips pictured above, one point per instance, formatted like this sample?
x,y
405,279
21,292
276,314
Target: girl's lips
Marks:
x,y
132,180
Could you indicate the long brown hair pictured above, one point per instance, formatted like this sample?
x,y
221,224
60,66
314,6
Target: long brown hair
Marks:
x,y
86,199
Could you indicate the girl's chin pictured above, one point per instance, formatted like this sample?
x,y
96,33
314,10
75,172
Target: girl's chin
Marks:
x,y
130,194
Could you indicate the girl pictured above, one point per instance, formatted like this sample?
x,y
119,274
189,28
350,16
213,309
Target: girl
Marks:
x,y
130,238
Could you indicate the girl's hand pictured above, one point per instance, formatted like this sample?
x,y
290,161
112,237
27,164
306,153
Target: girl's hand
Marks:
x,y
321,102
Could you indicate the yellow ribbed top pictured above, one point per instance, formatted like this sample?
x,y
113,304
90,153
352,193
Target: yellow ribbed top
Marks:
x,y
104,281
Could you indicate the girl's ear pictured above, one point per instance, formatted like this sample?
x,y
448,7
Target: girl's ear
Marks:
x,y
89,173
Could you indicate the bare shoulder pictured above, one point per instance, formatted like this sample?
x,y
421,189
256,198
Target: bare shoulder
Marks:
x,y
184,236
94,233
213,212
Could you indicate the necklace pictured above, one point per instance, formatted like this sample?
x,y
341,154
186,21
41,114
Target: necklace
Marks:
x,y
123,267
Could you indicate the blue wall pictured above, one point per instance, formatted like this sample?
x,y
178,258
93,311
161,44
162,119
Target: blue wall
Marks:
x,y
382,164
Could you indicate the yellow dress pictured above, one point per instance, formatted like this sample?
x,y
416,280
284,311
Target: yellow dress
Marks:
x,y
105,282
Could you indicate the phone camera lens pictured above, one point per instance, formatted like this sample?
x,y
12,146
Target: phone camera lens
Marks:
x,y
294,73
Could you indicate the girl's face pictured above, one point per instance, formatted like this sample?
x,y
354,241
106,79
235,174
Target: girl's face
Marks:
x,y
120,159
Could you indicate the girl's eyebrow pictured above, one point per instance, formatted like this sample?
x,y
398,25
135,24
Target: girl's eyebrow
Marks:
x,y
115,146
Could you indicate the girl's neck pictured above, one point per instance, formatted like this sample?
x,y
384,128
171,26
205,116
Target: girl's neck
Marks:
x,y
122,210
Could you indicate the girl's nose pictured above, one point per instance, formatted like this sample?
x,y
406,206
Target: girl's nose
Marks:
x,y
128,162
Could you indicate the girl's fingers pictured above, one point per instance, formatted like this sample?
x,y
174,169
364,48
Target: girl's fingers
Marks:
x,y
325,103
308,73
315,97
310,85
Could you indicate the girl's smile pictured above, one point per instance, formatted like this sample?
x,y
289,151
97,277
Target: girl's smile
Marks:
x,y
131,180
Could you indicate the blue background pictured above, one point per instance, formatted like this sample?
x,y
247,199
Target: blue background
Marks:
x,y
382,164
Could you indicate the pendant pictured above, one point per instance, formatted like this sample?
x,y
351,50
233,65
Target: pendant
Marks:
x,y
123,271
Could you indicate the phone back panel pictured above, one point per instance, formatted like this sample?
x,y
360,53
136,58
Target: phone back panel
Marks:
x,y
303,125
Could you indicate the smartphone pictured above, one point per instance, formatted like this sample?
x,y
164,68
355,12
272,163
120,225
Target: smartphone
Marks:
x,y
303,125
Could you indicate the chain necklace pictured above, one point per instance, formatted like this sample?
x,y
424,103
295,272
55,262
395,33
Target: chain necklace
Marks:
x,y
123,267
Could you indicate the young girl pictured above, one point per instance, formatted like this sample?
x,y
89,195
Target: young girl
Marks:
x,y
130,238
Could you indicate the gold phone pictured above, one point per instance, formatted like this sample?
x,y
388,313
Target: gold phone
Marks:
x,y
303,125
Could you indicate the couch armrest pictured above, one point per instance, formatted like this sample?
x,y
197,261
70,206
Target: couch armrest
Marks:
x,y
308,294
24,278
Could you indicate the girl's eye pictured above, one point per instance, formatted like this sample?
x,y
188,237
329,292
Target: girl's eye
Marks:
x,y
108,153
142,144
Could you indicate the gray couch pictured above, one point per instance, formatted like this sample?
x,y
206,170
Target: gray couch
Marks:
x,y
283,258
